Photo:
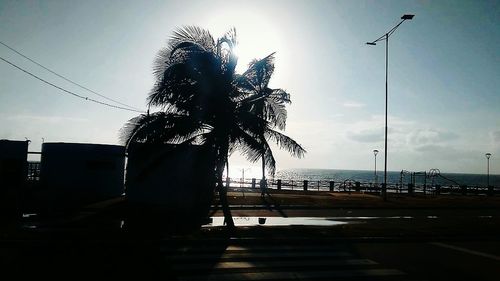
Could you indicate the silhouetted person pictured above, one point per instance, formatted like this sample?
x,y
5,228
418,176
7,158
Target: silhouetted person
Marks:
x,y
263,187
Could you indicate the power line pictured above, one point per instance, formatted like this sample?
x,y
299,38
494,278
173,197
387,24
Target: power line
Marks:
x,y
67,79
68,92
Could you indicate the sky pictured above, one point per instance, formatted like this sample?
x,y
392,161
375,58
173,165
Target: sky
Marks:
x,y
444,99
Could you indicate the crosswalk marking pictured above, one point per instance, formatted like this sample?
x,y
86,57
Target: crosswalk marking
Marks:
x,y
468,251
286,275
276,261
231,248
247,255
272,264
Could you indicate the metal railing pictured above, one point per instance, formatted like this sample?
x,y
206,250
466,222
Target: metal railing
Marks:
x,y
33,171
349,185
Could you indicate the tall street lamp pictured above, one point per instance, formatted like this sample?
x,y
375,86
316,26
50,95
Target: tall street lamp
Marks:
x,y
386,38
488,155
375,152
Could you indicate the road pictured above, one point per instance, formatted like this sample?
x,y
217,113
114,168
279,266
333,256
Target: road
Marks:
x,y
464,260
370,244
253,259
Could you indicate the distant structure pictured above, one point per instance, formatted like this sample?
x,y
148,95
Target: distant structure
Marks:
x,y
72,174
68,176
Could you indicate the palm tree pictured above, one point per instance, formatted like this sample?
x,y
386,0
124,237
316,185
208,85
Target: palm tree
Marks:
x,y
269,105
203,101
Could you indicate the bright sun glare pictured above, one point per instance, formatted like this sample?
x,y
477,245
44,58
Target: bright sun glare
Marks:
x,y
257,35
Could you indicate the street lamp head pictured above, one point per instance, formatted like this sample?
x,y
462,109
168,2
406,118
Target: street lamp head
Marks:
x,y
375,152
407,17
371,43
488,155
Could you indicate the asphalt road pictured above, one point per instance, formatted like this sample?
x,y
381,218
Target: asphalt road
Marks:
x,y
254,258
370,244
454,260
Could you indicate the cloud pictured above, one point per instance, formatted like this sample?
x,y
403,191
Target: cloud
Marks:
x,y
431,148
421,137
335,115
44,119
495,136
353,104
372,130
368,136
448,153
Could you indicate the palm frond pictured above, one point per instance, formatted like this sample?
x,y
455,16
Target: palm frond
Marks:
x,y
193,34
275,112
249,145
189,38
260,71
279,95
161,127
270,162
285,142
225,50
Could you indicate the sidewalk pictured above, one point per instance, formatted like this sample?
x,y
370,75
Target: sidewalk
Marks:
x,y
460,214
323,199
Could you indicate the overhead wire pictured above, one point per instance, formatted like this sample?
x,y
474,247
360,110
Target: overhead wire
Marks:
x,y
65,78
67,91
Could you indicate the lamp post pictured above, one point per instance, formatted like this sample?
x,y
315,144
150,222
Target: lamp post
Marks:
x,y
386,38
375,152
488,155
243,176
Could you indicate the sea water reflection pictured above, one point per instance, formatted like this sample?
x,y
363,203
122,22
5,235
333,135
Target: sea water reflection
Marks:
x,y
306,221
277,221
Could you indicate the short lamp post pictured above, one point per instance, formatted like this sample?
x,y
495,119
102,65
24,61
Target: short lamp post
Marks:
x,y
243,176
488,155
385,38
375,152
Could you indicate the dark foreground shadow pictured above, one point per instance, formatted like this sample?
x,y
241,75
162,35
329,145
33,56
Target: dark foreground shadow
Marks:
x,y
272,204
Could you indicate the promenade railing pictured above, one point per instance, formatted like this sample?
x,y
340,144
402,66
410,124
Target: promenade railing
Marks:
x,y
349,185
346,185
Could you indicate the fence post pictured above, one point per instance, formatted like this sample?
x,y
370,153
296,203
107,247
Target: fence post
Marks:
x,y
410,188
279,184
253,182
438,189
332,183
463,188
358,186
305,185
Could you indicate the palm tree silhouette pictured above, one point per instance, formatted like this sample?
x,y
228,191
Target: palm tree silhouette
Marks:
x,y
203,101
269,105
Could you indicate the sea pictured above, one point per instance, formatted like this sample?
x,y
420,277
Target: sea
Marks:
x,y
429,177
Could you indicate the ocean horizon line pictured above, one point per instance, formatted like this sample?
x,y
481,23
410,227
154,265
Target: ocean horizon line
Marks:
x,y
389,171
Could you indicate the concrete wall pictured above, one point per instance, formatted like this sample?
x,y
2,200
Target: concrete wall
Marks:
x,y
13,170
72,174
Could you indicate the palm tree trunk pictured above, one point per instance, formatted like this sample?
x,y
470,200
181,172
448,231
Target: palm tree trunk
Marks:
x,y
263,168
228,217
227,173
263,180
